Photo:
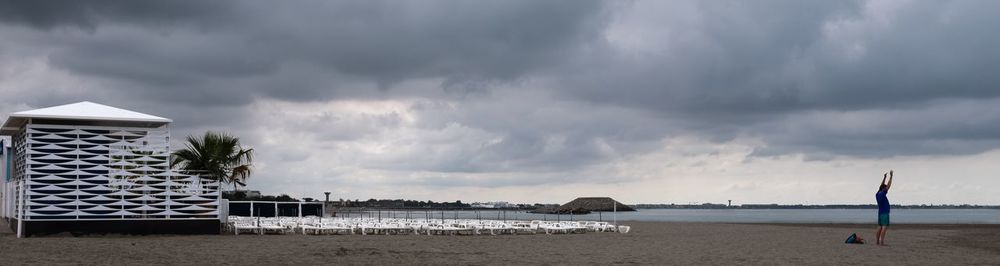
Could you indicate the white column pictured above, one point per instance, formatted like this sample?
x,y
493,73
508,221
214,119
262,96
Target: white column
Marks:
x,y
22,182
615,213
20,217
76,203
222,208
3,191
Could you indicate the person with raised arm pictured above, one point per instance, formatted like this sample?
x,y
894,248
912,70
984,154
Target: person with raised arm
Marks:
x,y
883,209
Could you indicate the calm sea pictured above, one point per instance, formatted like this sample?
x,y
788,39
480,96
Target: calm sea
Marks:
x,y
851,216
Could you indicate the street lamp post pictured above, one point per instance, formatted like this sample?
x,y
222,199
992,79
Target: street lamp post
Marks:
x,y
325,202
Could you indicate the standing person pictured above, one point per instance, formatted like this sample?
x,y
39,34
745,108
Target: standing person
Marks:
x,y
883,209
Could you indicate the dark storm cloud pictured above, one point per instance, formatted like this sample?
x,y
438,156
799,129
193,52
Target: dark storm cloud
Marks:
x,y
933,50
160,60
763,57
943,128
741,68
49,14
263,45
719,70
453,39
728,59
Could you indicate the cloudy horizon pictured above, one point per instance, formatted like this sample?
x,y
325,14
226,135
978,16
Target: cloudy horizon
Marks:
x,y
789,102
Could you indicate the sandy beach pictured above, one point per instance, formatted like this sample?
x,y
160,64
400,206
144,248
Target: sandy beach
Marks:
x,y
648,243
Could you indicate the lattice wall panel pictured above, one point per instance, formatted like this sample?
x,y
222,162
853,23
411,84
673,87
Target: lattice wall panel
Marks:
x,y
99,173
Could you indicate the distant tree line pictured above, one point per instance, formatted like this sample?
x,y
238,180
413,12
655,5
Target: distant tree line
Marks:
x,y
400,203
414,204
242,196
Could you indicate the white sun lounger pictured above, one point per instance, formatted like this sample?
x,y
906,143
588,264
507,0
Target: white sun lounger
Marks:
x,y
624,229
270,227
322,226
245,226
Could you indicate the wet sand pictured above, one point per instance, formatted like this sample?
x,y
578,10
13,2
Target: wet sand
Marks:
x,y
648,243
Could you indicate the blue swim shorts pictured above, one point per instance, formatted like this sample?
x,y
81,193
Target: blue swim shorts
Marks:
x,y
883,219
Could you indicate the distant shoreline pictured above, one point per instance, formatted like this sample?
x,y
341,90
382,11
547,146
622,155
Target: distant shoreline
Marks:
x,y
799,207
697,207
909,225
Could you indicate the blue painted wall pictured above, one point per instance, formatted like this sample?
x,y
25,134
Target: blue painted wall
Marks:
x,y
10,157
7,158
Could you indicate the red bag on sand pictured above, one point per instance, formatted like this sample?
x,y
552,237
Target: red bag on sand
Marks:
x,y
854,239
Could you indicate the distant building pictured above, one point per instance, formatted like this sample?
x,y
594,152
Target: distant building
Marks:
x,y
491,205
5,168
87,167
584,205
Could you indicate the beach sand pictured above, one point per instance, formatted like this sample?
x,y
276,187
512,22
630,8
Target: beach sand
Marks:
x,y
648,243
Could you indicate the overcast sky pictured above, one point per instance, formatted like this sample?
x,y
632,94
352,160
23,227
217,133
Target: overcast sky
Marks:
x,y
544,101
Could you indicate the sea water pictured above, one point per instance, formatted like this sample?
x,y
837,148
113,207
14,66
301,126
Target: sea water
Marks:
x,y
849,216
858,216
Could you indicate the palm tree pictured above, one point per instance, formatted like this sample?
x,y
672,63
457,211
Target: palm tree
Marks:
x,y
219,155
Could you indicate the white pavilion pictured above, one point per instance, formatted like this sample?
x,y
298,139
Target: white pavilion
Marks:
x,y
88,167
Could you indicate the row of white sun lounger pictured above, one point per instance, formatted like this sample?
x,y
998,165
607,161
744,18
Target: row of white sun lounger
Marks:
x,y
318,226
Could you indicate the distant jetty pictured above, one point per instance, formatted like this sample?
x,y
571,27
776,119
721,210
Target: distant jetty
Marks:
x,y
585,205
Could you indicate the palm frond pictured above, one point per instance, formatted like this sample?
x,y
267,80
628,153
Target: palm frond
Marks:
x,y
218,155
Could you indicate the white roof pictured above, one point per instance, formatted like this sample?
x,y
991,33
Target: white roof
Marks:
x,y
84,111
89,111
